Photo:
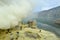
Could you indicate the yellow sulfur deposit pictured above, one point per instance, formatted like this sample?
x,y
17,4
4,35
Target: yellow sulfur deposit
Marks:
x,y
24,32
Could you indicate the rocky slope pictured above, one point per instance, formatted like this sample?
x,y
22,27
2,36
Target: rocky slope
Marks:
x,y
50,16
27,32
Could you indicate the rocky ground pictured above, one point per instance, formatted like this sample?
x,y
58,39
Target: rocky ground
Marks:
x,y
27,32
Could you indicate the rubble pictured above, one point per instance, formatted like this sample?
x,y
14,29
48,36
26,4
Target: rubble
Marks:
x,y
27,31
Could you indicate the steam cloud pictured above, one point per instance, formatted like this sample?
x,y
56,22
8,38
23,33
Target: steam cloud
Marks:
x,y
12,11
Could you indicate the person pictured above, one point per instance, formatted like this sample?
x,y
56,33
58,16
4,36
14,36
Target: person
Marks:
x,y
32,24
17,35
11,36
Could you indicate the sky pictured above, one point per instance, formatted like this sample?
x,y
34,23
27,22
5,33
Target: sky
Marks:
x,y
45,4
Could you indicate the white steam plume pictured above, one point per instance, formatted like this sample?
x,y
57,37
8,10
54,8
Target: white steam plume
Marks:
x,y
12,11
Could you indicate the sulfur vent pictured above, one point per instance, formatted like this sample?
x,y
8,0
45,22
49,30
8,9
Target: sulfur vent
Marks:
x,y
12,11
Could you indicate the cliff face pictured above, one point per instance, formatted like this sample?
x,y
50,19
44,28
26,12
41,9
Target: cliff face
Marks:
x,y
50,16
